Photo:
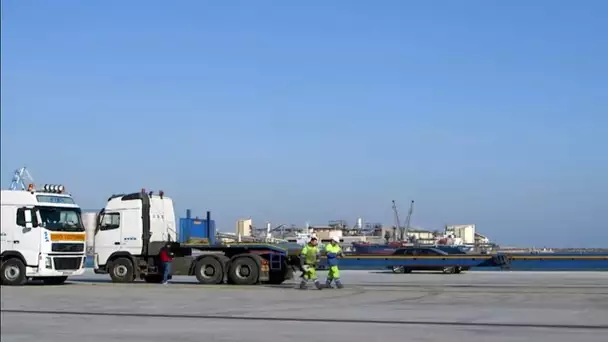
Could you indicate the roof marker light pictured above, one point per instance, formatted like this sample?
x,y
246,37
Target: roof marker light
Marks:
x,y
53,188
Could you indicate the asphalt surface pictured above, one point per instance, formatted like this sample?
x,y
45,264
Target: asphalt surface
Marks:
x,y
474,306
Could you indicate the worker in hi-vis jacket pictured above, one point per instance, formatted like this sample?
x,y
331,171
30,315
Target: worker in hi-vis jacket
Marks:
x,y
333,251
309,257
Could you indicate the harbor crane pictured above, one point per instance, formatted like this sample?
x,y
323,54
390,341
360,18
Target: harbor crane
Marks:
x,y
403,229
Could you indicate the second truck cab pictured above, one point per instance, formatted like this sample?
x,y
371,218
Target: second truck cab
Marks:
x,y
128,226
42,236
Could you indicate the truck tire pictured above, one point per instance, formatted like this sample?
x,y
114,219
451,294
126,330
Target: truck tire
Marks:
x,y
209,270
243,271
121,271
12,272
54,280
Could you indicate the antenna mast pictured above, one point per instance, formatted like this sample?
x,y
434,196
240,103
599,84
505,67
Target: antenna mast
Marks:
x,y
21,178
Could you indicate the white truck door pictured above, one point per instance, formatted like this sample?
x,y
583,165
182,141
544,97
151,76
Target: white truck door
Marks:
x,y
131,231
26,238
8,228
107,239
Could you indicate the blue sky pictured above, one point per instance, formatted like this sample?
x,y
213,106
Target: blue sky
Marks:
x,y
485,112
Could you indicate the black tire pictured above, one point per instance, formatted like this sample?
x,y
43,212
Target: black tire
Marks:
x,y
398,269
153,278
208,270
458,270
122,271
244,271
54,280
448,270
407,270
12,272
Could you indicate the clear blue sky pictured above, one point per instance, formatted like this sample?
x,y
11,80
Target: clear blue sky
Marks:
x,y
485,112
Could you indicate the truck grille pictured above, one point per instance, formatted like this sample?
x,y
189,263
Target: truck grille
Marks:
x,y
67,263
67,247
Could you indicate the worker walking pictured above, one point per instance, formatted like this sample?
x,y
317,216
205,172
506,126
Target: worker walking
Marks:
x,y
309,257
166,258
333,251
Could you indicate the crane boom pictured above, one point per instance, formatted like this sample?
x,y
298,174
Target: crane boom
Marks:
x,y
408,219
403,229
397,221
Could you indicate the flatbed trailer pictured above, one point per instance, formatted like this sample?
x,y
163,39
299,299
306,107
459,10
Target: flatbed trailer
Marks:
x,y
238,264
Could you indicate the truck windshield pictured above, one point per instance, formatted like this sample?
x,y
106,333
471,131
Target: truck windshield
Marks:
x,y
61,219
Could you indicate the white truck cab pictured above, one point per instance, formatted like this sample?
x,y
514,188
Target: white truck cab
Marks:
x,y
128,227
42,236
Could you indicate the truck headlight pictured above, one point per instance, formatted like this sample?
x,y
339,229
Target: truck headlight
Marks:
x,y
47,263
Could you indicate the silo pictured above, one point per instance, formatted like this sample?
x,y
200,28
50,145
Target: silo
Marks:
x,y
360,223
89,220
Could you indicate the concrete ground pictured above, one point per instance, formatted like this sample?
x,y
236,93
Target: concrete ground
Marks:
x,y
474,306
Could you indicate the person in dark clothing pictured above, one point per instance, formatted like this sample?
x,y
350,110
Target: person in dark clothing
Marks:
x,y
166,257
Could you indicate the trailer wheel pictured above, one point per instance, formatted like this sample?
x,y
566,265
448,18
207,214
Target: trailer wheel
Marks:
x,y
54,280
13,272
209,270
121,271
398,269
244,271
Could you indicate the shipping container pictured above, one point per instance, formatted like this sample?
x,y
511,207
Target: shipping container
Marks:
x,y
196,228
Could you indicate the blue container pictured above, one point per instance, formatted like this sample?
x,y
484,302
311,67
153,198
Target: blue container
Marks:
x,y
195,228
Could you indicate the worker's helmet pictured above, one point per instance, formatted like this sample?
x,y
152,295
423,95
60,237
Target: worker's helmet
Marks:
x,y
335,239
313,238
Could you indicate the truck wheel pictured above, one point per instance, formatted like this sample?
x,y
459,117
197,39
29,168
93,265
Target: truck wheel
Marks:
x,y
54,280
244,271
398,269
13,272
209,270
122,271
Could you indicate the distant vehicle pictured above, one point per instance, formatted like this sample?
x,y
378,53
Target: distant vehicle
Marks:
x,y
426,252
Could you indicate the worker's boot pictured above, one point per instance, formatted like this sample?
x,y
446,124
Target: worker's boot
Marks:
x,y
318,285
339,284
303,284
328,284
